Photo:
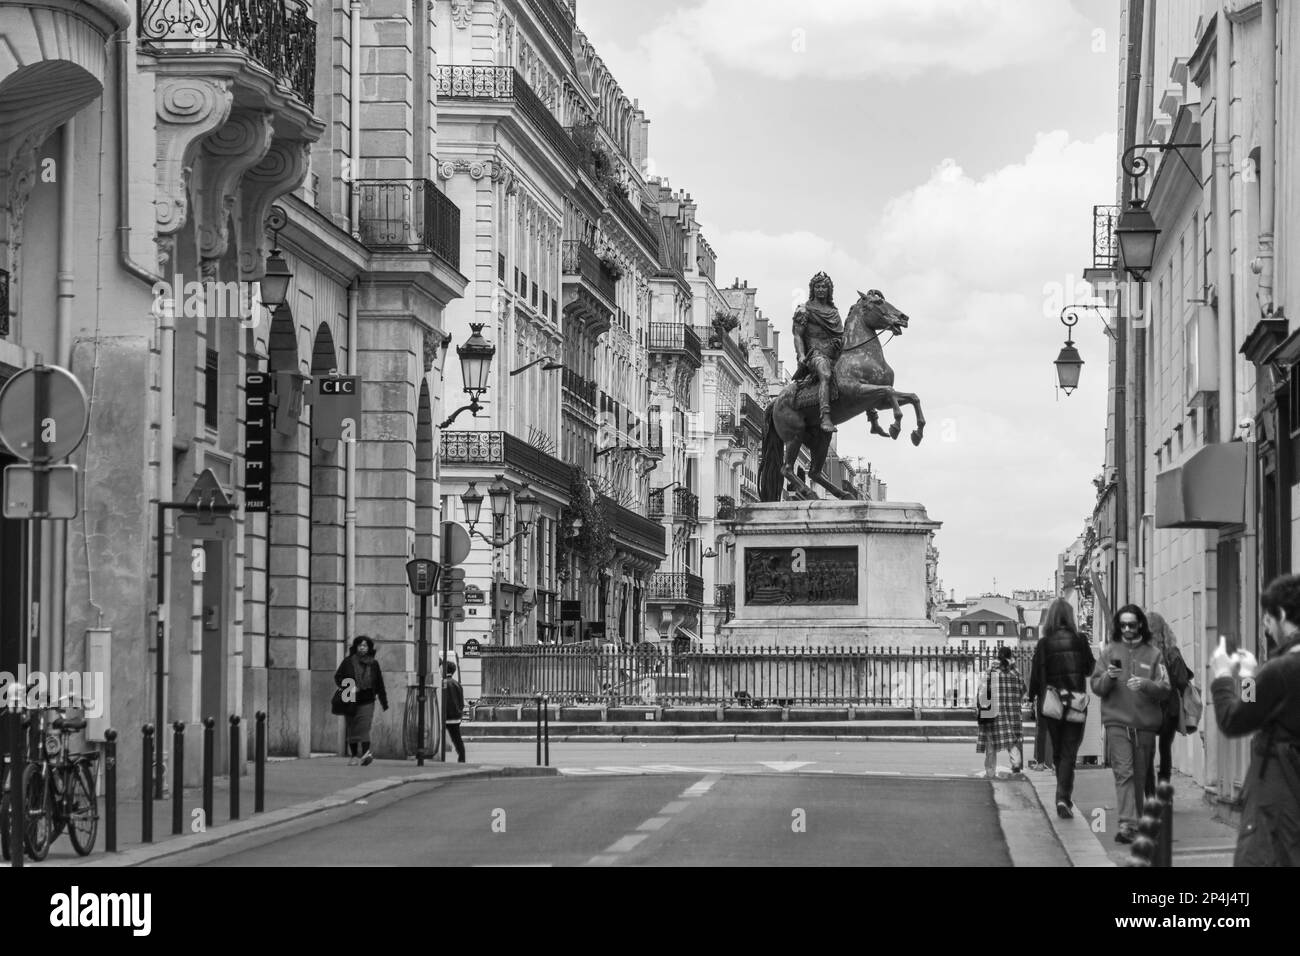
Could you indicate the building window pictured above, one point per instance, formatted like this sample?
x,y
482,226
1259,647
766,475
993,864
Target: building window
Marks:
x,y
984,629
211,379
1000,629
965,629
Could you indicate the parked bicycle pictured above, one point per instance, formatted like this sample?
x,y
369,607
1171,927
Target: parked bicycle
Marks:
x,y
59,791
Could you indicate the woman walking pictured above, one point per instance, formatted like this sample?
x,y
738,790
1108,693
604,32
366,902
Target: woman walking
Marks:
x,y
1179,676
361,668
1006,730
1063,660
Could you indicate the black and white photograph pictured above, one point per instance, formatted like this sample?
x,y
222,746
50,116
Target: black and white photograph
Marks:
x,y
615,434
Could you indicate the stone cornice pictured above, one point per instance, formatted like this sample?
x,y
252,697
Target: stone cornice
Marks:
x,y
422,273
314,238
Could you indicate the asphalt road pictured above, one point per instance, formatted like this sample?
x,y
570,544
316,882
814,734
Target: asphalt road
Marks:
x,y
680,819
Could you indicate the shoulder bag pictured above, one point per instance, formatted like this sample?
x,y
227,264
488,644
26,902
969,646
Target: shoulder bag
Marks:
x,y
1068,705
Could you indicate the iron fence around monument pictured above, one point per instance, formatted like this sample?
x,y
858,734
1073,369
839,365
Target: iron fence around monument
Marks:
x,y
674,674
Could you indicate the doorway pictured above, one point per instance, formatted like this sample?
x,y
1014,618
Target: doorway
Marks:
x,y
214,650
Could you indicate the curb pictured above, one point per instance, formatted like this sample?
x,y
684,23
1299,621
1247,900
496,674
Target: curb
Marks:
x,y
1075,835
147,853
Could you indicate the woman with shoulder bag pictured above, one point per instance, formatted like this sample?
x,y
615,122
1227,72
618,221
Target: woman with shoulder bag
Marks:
x,y
1179,676
366,686
1005,731
1058,679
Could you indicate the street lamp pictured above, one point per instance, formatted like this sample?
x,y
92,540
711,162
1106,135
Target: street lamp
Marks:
x,y
275,284
526,502
475,363
1069,362
1136,234
473,502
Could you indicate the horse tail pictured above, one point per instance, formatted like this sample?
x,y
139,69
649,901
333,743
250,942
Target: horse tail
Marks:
x,y
770,460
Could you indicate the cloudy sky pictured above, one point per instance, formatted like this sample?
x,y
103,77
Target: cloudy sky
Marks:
x,y
946,152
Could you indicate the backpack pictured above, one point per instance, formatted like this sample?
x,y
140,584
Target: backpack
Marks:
x,y
986,701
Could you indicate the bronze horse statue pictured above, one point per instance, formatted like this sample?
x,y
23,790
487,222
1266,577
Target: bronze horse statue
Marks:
x,y
864,382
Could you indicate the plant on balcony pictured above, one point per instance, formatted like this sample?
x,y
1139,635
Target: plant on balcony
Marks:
x,y
613,268
594,542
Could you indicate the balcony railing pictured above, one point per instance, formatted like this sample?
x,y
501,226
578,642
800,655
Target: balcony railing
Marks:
x,y
503,83
685,504
633,220
554,20
676,586
726,509
579,259
4,302
278,35
711,338
752,413
1104,248
636,529
724,595
654,437
408,214
579,387
500,448
670,337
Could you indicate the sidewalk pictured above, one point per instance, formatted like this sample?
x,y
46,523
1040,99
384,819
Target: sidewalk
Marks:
x,y
912,731
1089,838
295,788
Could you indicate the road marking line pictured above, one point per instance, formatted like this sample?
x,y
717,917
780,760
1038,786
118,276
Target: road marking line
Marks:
x,y
602,860
512,864
677,806
700,788
783,765
623,844
654,823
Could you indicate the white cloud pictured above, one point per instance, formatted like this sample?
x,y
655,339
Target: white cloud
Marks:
x,y
671,63
969,261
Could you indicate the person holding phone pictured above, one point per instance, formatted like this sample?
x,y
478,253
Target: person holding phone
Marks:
x,y
1132,683
1266,701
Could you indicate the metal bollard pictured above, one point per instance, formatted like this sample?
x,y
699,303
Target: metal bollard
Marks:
x,y
110,790
538,698
1165,794
209,754
259,765
178,778
1147,845
546,730
234,766
146,806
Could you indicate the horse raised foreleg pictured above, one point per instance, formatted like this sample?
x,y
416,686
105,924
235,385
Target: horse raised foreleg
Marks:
x,y
897,427
908,398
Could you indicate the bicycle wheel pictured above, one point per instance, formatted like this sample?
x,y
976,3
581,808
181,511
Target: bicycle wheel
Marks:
x,y
39,835
83,808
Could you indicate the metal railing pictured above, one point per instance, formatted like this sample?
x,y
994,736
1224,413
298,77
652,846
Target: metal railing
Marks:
x,y
675,586
556,22
636,529
670,337
654,436
633,220
655,509
1104,247
579,259
407,214
504,83
711,338
279,36
724,595
752,413
686,504
581,388
726,508
503,448
670,673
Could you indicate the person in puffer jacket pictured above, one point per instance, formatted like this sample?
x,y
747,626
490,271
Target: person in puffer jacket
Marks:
x,y
1131,680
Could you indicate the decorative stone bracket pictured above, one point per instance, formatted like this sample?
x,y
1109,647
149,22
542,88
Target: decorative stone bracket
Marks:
x,y
189,108
226,154
280,171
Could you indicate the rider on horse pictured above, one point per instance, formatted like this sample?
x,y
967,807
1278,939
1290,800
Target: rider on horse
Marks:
x,y
818,339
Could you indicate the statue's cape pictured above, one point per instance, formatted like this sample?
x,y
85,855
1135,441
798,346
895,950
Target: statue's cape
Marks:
x,y
824,317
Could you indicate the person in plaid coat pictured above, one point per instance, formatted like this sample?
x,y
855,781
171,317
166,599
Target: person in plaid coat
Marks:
x,y
1006,731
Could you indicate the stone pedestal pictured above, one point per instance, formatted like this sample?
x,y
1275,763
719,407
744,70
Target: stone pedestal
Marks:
x,y
831,573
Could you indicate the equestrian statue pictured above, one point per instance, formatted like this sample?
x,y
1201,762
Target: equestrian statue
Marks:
x,y
842,373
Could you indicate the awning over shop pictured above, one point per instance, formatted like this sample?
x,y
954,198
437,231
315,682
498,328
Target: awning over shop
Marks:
x,y
1206,491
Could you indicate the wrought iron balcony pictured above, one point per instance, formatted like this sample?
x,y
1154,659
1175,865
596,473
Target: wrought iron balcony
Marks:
x,y
1104,247
504,84
408,214
724,595
556,20
726,509
577,386
654,436
502,449
632,219
278,35
711,338
681,339
752,414
580,260
676,586
636,530
4,302
685,505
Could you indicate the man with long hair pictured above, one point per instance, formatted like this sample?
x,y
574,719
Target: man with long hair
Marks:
x,y
1132,683
1062,662
1268,705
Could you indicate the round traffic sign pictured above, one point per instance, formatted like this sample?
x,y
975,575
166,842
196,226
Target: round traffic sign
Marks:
x,y
455,543
58,428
